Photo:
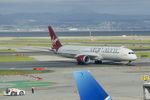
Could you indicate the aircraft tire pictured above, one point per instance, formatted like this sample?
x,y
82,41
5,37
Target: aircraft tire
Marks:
x,y
21,93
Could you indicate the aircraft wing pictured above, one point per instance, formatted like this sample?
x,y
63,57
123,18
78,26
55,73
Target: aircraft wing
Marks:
x,y
88,87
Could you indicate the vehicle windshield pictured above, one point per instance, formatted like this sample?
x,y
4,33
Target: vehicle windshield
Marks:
x,y
7,90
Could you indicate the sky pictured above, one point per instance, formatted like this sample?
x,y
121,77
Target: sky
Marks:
x,y
120,7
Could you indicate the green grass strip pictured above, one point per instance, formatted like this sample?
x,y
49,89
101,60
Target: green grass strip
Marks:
x,y
7,50
143,54
15,58
22,72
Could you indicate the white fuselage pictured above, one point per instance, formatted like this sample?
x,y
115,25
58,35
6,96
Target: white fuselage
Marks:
x,y
98,52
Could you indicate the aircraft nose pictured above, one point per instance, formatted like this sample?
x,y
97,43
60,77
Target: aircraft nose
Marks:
x,y
134,57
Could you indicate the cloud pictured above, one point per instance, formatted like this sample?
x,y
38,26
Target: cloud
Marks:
x,y
70,6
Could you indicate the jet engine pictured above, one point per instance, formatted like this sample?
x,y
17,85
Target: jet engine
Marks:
x,y
82,59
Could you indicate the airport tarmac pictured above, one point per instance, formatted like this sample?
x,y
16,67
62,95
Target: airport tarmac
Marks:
x,y
122,82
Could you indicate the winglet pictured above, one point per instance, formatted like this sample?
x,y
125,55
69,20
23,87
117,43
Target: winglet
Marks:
x,y
88,87
55,41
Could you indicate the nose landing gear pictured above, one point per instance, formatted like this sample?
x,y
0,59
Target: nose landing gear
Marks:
x,y
129,63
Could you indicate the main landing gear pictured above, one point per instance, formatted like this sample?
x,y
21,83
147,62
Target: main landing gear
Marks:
x,y
98,62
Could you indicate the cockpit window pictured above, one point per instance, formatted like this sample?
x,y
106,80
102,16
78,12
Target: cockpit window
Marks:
x,y
131,53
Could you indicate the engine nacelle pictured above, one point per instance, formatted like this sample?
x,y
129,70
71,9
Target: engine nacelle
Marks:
x,y
82,59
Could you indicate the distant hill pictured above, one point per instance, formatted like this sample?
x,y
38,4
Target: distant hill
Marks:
x,y
103,21
64,18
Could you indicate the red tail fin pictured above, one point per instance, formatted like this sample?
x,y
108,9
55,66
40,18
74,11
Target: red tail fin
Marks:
x,y
55,41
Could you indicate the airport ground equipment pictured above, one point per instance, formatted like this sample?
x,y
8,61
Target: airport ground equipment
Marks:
x,y
14,92
145,77
146,91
